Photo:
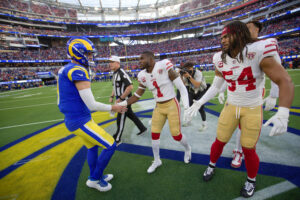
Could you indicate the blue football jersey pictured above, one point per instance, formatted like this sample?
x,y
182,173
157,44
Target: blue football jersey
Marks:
x,y
68,99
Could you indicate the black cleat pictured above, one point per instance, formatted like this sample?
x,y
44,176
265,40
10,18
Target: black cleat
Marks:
x,y
248,189
209,172
142,131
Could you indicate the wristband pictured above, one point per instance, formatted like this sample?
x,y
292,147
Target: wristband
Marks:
x,y
121,98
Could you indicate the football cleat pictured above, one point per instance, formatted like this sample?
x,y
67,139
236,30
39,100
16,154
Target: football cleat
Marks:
x,y
155,164
108,177
101,185
188,155
186,124
203,127
209,172
248,189
237,159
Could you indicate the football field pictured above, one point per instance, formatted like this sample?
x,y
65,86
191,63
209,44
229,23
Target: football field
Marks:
x,y
40,159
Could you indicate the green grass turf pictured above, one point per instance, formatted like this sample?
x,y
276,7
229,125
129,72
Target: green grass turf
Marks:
x,y
173,180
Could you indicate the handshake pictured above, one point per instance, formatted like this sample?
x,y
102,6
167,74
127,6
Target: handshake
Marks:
x,y
118,108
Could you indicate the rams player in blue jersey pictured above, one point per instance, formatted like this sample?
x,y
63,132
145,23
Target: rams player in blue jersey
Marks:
x,y
76,101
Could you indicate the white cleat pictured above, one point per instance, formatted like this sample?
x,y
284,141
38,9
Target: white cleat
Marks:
x,y
150,122
100,185
203,127
188,155
155,164
186,124
108,177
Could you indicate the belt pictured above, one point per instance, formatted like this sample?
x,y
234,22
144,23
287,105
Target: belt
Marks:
x,y
162,102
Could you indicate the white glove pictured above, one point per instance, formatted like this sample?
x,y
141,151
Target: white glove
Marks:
x,y
112,113
270,103
280,121
193,110
221,97
123,103
186,118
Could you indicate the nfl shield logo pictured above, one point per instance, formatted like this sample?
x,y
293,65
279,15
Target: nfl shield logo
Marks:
x,y
251,55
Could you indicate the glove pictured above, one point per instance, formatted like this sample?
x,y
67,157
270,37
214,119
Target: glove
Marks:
x,y
193,110
186,118
270,103
123,103
221,97
279,121
112,113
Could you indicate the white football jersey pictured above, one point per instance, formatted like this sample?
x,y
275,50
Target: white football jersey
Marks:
x,y
158,82
245,79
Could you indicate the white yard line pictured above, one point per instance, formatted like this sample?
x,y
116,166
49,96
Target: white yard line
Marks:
x,y
26,106
25,90
34,123
271,191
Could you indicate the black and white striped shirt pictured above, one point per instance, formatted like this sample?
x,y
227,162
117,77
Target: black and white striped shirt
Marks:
x,y
120,82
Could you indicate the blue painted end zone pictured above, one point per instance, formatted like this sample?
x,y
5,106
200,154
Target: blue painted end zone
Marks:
x,y
66,187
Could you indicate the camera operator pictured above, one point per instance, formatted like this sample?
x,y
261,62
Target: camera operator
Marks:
x,y
196,87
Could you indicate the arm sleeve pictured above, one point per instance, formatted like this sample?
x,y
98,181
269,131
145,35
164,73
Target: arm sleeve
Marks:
x,y
183,92
223,87
89,100
213,90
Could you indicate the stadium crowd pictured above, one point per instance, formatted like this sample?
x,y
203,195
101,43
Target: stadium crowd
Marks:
x,y
287,47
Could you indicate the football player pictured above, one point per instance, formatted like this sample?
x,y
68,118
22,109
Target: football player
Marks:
x,y
242,63
76,101
159,78
254,28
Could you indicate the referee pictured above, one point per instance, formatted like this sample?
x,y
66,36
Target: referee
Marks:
x,y
122,87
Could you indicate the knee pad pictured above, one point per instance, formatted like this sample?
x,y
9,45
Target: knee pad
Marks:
x,y
155,136
178,137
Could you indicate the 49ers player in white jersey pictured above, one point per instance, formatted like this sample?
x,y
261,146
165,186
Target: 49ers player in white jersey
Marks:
x,y
159,78
242,64
270,102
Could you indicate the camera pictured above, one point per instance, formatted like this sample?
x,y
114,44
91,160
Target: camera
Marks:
x,y
183,71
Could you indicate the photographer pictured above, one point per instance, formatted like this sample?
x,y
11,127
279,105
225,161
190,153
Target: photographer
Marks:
x,y
196,87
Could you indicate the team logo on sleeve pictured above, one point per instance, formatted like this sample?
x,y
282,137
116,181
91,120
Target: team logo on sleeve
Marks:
x,y
250,55
143,79
160,71
220,64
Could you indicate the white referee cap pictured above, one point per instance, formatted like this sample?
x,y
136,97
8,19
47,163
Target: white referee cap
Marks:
x,y
114,59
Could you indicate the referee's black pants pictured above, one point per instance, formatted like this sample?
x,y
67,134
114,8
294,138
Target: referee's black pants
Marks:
x,y
121,123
